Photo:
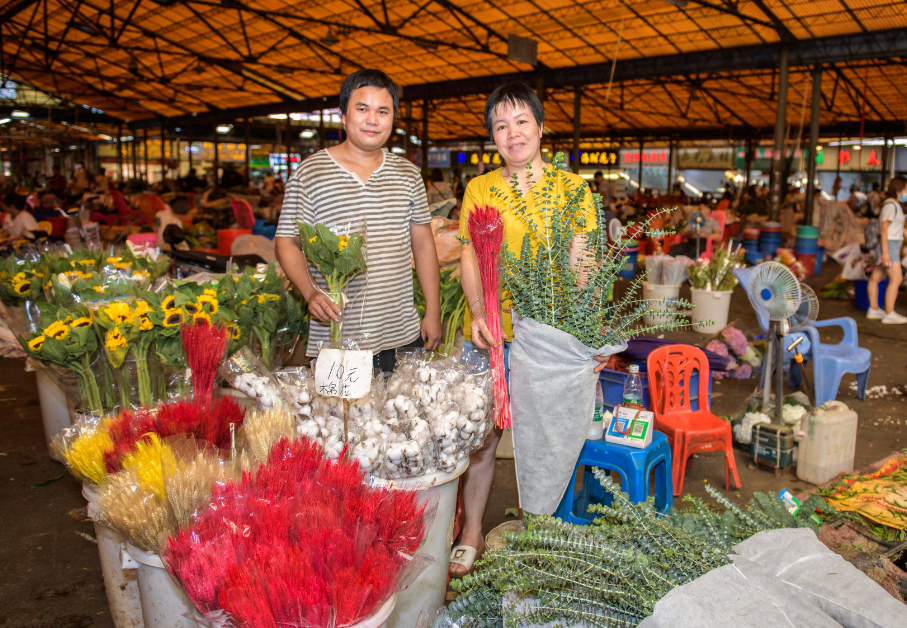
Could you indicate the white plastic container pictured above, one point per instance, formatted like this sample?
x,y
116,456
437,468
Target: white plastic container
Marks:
x,y
379,619
54,411
827,443
597,427
665,298
426,594
164,603
710,305
120,580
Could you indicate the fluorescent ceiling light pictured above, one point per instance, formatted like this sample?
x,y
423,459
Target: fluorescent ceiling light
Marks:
x,y
5,120
20,114
277,116
307,134
858,147
224,128
105,137
401,132
397,150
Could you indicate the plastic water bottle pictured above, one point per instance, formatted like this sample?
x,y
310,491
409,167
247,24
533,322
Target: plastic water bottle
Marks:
x,y
632,395
597,428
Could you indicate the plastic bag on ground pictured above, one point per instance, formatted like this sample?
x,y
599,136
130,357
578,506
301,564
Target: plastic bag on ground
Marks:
x,y
798,558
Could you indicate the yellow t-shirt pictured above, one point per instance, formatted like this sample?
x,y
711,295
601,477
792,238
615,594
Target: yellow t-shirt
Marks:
x,y
478,192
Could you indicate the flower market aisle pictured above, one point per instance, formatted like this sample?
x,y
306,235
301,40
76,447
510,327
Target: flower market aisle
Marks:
x,y
47,543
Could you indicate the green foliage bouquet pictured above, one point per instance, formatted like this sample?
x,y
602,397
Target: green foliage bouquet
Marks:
x,y
715,273
340,258
547,286
260,304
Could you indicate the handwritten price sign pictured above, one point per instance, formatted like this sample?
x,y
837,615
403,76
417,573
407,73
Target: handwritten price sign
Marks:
x,y
345,374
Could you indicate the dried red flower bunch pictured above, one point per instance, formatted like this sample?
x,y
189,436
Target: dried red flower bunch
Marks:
x,y
301,542
204,345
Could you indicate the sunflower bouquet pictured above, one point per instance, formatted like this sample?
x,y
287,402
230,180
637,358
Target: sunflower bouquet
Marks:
x,y
20,281
66,340
339,256
258,298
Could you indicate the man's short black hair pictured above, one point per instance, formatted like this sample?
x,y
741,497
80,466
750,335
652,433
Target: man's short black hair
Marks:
x,y
367,78
598,173
14,200
513,94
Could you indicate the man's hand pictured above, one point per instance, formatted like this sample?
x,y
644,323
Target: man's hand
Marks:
x,y
432,332
322,309
481,335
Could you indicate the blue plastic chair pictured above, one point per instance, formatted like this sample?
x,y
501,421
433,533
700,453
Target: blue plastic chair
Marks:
x,y
634,466
830,361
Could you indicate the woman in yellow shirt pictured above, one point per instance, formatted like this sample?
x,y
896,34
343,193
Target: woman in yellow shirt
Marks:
x,y
514,118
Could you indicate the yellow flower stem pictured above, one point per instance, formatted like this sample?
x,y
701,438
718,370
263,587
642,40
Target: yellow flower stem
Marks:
x,y
88,387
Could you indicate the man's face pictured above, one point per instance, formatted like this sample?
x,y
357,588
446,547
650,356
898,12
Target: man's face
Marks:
x,y
369,118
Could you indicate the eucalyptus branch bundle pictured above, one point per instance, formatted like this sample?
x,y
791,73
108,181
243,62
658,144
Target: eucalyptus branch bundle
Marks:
x,y
566,268
609,574
487,232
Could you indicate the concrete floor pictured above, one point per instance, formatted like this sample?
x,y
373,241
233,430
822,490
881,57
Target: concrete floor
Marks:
x,y
53,575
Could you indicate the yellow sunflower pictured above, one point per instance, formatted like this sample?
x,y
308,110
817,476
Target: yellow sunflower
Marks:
x,y
57,330
145,324
35,343
123,266
201,316
85,262
22,287
100,289
168,303
114,260
115,339
262,298
191,308
313,238
210,293
211,301
344,240
141,308
119,313
172,318
83,321
235,332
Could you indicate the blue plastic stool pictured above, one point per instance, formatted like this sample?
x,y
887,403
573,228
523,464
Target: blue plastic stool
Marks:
x,y
634,467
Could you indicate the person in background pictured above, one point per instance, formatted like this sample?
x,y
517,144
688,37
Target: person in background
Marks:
x,y
708,227
17,220
101,182
602,187
891,240
231,178
267,185
836,187
357,181
874,200
57,183
436,188
191,182
80,183
856,199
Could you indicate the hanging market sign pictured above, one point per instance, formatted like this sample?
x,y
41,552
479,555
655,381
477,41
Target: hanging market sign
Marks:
x,y
598,157
652,157
705,158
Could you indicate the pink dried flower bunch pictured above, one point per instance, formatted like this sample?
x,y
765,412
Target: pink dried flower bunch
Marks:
x,y
735,340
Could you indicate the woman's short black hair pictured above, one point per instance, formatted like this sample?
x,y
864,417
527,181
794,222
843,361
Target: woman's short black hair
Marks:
x,y
513,94
367,78
436,175
12,199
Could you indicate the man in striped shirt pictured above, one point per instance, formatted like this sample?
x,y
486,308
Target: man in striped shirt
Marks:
x,y
358,182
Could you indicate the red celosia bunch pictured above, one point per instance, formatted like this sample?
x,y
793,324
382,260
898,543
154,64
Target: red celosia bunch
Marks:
x,y
204,345
206,422
486,230
302,542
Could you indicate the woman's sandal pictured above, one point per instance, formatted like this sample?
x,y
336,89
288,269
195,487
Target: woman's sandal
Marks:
x,y
466,556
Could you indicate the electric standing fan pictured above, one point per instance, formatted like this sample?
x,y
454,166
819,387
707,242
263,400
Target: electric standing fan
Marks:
x,y
616,230
808,312
775,292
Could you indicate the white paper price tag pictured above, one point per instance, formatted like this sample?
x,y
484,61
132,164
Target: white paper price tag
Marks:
x,y
346,374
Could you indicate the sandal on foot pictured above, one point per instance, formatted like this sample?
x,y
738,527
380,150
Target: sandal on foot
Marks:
x,y
466,556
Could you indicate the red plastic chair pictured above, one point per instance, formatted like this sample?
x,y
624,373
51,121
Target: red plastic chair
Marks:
x,y
243,213
689,431
721,217
126,215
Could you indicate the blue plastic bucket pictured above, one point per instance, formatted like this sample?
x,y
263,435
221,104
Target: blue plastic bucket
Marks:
x,y
631,255
861,296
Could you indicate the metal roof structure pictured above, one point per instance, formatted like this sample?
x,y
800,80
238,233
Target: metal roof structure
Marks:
x,y
644,67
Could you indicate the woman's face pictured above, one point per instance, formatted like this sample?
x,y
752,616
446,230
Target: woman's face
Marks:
x,y
517,135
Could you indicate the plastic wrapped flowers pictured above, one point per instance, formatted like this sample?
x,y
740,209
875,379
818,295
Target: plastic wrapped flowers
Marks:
x,y
731,342
302,541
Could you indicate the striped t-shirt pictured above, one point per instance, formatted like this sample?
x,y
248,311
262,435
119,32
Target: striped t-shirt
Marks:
x,y
381,304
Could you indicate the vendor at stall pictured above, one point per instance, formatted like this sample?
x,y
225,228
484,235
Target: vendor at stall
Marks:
x,y
358,181
707,227
514,119
17,220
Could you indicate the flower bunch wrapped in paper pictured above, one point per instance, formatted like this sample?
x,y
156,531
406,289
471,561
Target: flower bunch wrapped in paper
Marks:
x,y
65,339
715,273
301,542
338,252
20,280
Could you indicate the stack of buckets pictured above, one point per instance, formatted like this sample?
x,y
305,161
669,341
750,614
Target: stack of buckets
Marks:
x,y
770,238
807,248
751,246
631,254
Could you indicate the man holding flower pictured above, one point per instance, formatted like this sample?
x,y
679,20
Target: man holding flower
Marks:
x,y
354,182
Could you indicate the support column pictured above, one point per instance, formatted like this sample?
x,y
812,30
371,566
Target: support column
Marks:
x,y
778,155
289,139
321,141
424,138
577,126
748,162
884,170
813,142
838,163
135,157
408,127
145,152
216,159
540,92
639,181
120,152
190,153
248,153
670,188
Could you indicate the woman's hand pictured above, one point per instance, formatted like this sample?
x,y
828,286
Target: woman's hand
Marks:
x,y
481,335
886,260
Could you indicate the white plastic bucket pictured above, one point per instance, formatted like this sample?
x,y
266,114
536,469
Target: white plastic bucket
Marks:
x,y
164,603
426,594
54,411
664,297
710,305
379,619
120,580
